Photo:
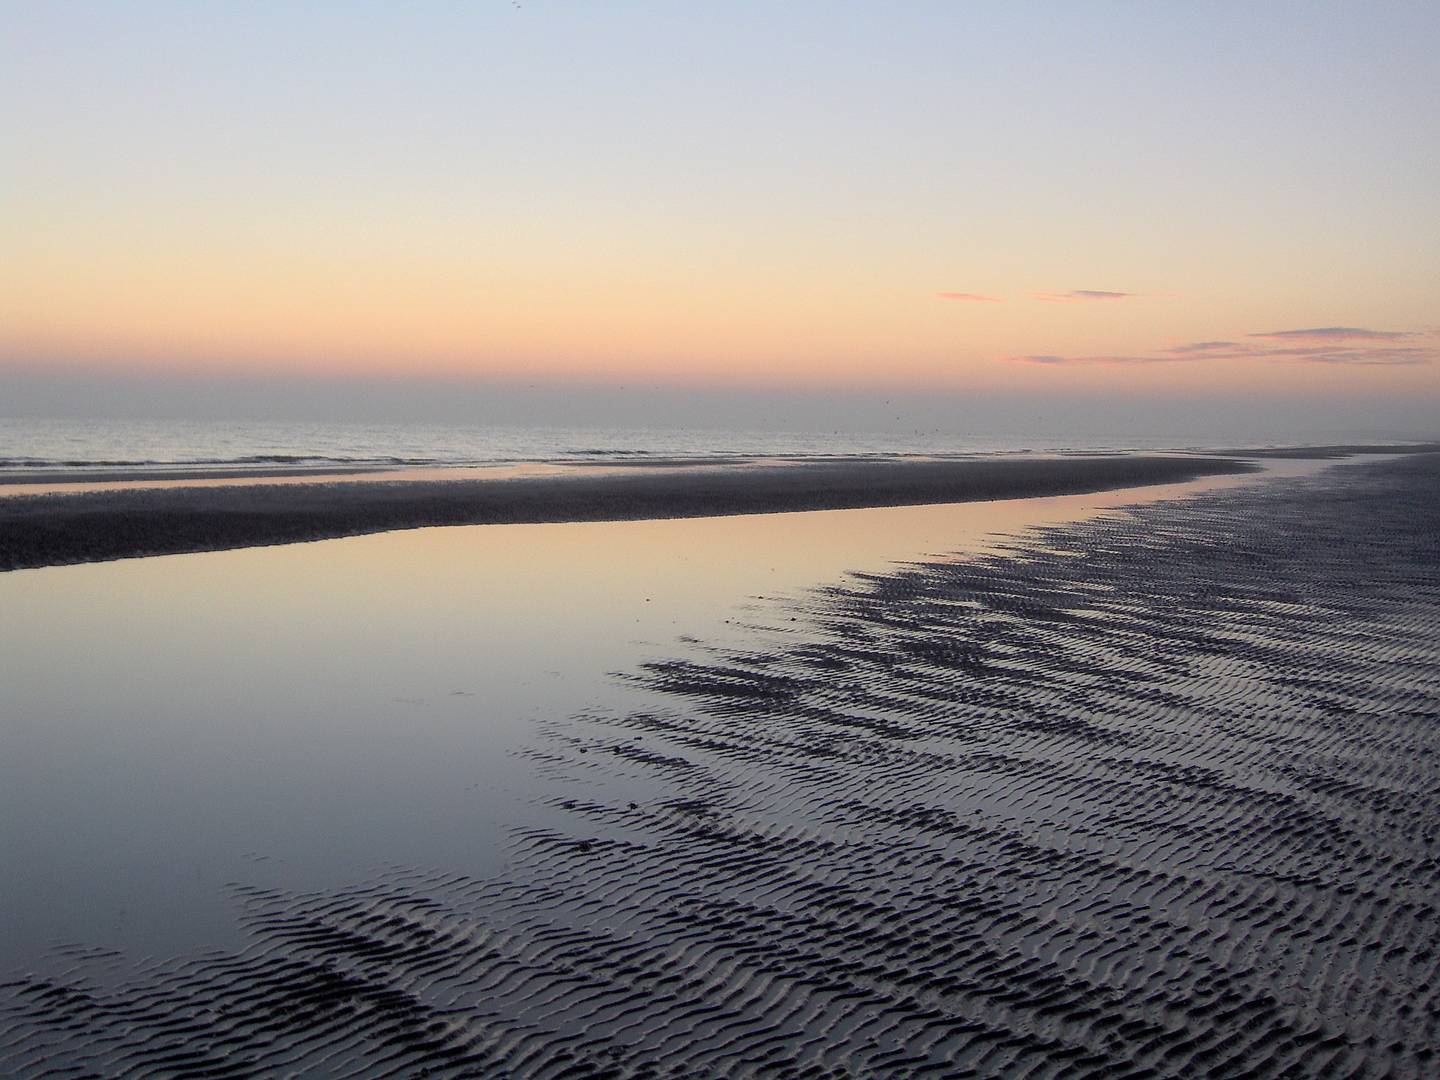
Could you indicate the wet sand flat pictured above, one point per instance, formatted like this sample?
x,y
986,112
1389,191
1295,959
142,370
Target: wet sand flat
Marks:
x,y
47,530
1152,794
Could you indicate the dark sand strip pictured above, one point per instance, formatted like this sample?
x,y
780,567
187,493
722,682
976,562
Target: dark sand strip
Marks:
x,y
47,530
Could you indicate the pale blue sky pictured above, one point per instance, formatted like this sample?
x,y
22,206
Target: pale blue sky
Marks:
x,y
627,178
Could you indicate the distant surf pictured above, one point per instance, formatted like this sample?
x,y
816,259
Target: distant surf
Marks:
x,y
37,445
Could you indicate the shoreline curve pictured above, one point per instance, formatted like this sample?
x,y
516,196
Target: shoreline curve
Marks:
x,y
63,529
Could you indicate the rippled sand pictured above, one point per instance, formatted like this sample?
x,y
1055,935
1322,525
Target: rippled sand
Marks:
x,y
1152,794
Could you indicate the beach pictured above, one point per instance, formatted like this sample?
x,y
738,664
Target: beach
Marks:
x,y
549,541
1119,789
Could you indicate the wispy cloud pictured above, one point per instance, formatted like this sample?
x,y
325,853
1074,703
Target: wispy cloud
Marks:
x,y
1203,347
1334,333
1116,360
1359,357
1336,345
972,298
1078,295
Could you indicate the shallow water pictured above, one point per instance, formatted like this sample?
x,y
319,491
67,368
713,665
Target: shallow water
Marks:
x,y
302,715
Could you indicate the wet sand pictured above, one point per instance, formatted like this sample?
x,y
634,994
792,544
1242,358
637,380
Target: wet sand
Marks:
x,y
1151,794
51,529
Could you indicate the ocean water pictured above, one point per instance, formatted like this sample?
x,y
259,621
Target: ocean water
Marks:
x,y
29,443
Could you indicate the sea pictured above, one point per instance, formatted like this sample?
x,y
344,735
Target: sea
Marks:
x,y
64,444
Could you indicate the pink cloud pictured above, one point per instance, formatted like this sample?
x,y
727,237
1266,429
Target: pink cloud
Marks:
x,y
1079,295
1328,345
1204,347
1117,360
1334,333
1372,357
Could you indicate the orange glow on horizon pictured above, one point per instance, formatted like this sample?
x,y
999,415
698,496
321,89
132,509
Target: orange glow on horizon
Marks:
x,y
402,320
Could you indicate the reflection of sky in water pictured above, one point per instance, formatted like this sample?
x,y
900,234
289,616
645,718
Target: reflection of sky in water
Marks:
x,y
302,715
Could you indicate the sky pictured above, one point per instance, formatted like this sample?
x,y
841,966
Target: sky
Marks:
x,y
1128,208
